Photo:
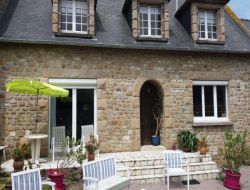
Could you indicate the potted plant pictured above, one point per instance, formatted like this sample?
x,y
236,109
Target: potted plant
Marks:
x,y
157,112
234,154
73,151
187,141
18,158
91,146
202,145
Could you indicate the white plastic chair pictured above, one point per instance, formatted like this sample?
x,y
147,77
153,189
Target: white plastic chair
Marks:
x,y
86,131
173,165
58,138
29,180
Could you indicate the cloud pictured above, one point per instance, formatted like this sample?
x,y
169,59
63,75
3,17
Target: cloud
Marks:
x,y
241,8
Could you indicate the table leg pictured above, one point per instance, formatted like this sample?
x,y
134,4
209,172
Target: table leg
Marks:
x,y
33,150
38,147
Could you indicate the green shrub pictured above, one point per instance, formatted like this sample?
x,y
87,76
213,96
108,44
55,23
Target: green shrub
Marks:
x,y
186,139
234,151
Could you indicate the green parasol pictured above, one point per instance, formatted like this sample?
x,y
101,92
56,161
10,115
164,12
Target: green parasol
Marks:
x,y
35,88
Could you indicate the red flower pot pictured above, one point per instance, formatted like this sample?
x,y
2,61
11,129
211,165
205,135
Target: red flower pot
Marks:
x,y
57,177
232,180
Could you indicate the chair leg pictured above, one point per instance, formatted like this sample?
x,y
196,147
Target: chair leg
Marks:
x,y
188,181
168,182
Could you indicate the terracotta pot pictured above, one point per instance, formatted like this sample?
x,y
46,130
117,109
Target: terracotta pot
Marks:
x,y
91,156
57,177
18,165
203,150
232,180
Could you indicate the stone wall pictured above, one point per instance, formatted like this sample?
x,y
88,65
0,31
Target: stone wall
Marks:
x,y
120,75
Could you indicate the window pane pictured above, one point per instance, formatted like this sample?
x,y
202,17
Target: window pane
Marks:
x,y
63,26
197,101
84,27
63,18
69,18
69,26
78,19
158,32
209,100
221,101
145,31
152,31
78,27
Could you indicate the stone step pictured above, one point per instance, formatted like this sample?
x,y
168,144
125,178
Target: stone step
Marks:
x,y
159,169
198,175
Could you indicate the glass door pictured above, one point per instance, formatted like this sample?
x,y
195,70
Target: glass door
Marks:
x,y
73,111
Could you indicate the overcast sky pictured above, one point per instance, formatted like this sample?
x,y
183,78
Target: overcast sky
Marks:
x,y
241,8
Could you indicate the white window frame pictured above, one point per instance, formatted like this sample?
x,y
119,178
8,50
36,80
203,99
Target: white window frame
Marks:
x,y
74,20
75,84
215,118
149,20
206,25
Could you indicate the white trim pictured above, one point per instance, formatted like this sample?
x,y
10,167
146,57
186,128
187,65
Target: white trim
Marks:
x,y
74,19
210,83
215,118
206,25
74,113
149,7
74,83
95,112
210,119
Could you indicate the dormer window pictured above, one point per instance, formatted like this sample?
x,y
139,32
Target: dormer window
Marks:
x,y
150,21
74,14
75,18
207,25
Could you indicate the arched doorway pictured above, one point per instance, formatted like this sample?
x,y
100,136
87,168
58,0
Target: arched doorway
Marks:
x,y
150,92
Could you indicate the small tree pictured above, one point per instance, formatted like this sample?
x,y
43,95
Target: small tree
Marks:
x,y
157,112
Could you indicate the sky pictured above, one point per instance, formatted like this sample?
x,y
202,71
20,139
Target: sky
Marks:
x,y
241,8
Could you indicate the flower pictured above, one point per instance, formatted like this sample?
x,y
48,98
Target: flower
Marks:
x,y
92,145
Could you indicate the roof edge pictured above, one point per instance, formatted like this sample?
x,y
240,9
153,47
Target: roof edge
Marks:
x,y
238,21
115,46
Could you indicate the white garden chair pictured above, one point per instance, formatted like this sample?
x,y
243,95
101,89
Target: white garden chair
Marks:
x,y
86,131
29,180
58,138
173,165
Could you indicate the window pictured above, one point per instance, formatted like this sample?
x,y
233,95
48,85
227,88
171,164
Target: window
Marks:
x,y
210,101
74,14
207,25
150,21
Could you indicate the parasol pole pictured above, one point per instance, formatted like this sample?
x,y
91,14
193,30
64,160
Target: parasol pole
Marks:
x,y
37,110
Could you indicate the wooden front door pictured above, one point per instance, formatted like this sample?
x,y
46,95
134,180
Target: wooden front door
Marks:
x,y
148,124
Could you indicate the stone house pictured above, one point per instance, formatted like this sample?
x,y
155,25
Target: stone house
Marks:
x,y
114,57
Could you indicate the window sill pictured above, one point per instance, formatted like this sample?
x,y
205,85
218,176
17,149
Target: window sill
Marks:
x,y
212,42
206,124
153,39
75,35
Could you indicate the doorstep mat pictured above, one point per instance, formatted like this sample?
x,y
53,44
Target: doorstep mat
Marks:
x,y
191,182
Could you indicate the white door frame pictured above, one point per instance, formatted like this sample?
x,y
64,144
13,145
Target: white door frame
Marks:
x,y
75,84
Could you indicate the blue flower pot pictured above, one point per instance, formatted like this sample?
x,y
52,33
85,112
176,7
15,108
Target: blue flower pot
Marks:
x,y
155,140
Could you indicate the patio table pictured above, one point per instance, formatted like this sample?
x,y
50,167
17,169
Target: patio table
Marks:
x,y
36,146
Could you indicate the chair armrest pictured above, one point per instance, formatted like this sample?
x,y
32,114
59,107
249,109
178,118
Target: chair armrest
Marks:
x,y
50,183
122,168
91,181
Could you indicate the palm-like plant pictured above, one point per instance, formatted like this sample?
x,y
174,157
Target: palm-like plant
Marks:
x,y
234,151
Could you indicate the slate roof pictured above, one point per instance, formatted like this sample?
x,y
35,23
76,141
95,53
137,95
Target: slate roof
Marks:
x,y
30,22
